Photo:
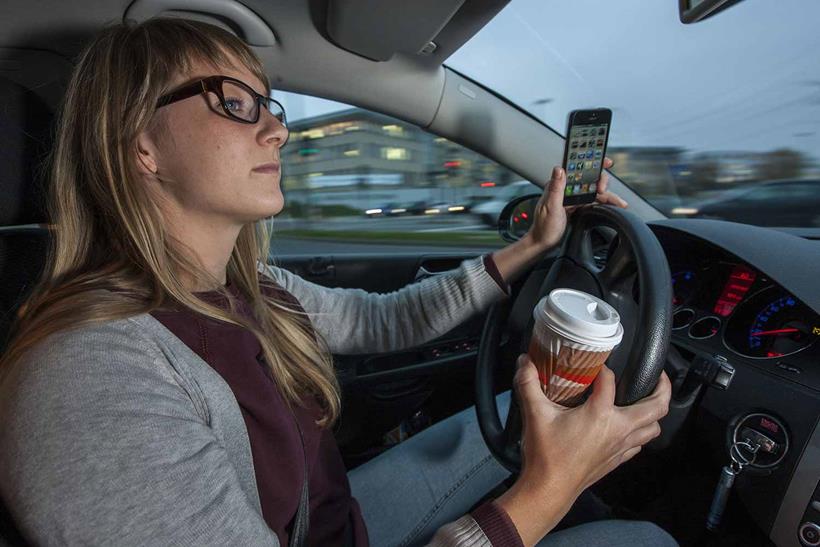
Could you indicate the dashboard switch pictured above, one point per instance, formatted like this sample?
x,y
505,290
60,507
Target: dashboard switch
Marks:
x,y
723,375
809,534
714,371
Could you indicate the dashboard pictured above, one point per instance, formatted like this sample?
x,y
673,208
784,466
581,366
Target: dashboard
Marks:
x,y
722,303
748,298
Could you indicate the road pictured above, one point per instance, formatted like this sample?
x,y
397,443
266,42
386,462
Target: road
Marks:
x,y
298,247
432,223
283,246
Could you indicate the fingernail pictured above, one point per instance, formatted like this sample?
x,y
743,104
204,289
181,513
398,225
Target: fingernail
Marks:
x,y
556,172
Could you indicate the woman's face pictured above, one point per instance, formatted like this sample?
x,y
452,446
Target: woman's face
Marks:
x,y
212,168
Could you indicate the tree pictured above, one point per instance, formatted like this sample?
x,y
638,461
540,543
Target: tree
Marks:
x,y
704,175
783,163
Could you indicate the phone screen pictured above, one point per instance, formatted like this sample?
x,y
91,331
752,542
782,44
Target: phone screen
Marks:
x,y
586,146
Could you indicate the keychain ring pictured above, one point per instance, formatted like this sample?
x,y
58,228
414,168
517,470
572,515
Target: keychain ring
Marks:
x,y
740,459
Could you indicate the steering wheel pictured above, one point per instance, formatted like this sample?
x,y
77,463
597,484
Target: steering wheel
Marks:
x,y
635,281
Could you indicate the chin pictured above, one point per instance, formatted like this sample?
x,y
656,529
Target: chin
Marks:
x,y
274,205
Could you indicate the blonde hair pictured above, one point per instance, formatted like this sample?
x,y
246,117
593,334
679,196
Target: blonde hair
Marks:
x,y
111,256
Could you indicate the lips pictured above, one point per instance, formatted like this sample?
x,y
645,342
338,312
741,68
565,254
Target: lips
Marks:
x,y
267,168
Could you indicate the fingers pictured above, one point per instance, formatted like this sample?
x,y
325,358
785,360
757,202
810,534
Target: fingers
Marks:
x,y
603,180
603,183
643,435
652,408
612,199
603,389
557,184
604,196
528,385
663,392
526,380
629,454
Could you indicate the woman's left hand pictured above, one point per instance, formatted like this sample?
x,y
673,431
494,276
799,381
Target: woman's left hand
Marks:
x,y
550,216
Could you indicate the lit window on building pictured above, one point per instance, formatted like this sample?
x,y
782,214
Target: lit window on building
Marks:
x,y
390,153
315,133
339,128
352,153
393,130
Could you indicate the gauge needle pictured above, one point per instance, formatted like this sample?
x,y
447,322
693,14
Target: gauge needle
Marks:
x,y
778,331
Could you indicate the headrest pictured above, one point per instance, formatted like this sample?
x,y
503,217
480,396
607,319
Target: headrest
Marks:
x,y
25,139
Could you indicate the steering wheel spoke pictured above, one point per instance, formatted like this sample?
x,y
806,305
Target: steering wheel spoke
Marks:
x,y
620,266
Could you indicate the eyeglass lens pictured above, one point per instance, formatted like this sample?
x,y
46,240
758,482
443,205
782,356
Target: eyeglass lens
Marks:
x,y
242,103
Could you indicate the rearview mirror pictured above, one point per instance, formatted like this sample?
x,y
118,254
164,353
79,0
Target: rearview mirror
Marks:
x,y
692,11
516,217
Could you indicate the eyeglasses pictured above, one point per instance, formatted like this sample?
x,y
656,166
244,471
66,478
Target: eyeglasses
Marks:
x,y
239,101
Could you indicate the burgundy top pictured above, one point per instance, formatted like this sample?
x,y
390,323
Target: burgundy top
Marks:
x,y
236,355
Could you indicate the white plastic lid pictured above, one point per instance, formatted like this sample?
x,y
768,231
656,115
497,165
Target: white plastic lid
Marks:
x,y
581,317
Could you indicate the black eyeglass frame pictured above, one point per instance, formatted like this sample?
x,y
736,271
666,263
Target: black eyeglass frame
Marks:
x,y
214,85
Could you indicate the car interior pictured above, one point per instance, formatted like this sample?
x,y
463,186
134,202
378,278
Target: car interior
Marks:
x,y
730,310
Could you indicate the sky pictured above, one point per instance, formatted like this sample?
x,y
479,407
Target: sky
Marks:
x,y
746,79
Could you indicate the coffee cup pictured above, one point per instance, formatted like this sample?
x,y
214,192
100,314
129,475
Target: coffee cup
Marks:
x,y
573,335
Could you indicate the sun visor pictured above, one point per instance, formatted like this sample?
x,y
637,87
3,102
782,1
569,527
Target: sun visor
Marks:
x,y
379,29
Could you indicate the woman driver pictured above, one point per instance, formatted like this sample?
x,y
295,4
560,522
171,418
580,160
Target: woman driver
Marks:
x,y
165,386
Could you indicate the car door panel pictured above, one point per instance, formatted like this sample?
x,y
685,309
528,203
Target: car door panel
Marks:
x,y
381,390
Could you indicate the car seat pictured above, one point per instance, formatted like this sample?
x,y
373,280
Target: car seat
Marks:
x,y
25,138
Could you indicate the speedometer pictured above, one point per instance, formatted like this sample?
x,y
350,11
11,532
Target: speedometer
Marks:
x,y
771,324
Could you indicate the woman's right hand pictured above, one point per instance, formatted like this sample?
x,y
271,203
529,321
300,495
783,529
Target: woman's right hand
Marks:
x,y
565,450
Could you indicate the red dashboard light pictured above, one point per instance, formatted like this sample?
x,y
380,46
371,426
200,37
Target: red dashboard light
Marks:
x,y
770,425
740,281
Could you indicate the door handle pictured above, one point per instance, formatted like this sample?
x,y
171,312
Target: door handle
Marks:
x,y
321,267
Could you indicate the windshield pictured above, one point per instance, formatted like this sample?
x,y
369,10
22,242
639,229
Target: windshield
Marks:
x,y
518,189
699,110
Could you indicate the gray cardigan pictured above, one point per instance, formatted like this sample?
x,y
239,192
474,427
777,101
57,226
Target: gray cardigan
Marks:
x,y
119,434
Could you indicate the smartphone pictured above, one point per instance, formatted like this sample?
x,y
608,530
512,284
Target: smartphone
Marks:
x,y
584,153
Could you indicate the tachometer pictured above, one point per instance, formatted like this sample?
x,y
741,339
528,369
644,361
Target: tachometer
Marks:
x,y
771,324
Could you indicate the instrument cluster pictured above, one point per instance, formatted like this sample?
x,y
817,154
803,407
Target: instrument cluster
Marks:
x,y
756,317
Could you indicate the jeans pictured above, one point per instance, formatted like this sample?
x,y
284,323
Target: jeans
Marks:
x,y
437,476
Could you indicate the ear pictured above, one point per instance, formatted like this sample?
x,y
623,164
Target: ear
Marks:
x,y
147,154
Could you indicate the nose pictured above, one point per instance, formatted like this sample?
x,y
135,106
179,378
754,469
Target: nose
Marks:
x,y
273,130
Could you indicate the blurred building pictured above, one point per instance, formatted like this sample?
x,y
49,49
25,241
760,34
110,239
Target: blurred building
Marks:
x,y
360,158
731,167
649,170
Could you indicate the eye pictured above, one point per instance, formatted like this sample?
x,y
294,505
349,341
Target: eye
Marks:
x,y
235,104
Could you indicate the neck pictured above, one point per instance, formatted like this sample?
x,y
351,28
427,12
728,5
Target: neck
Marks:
x,y
211,241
